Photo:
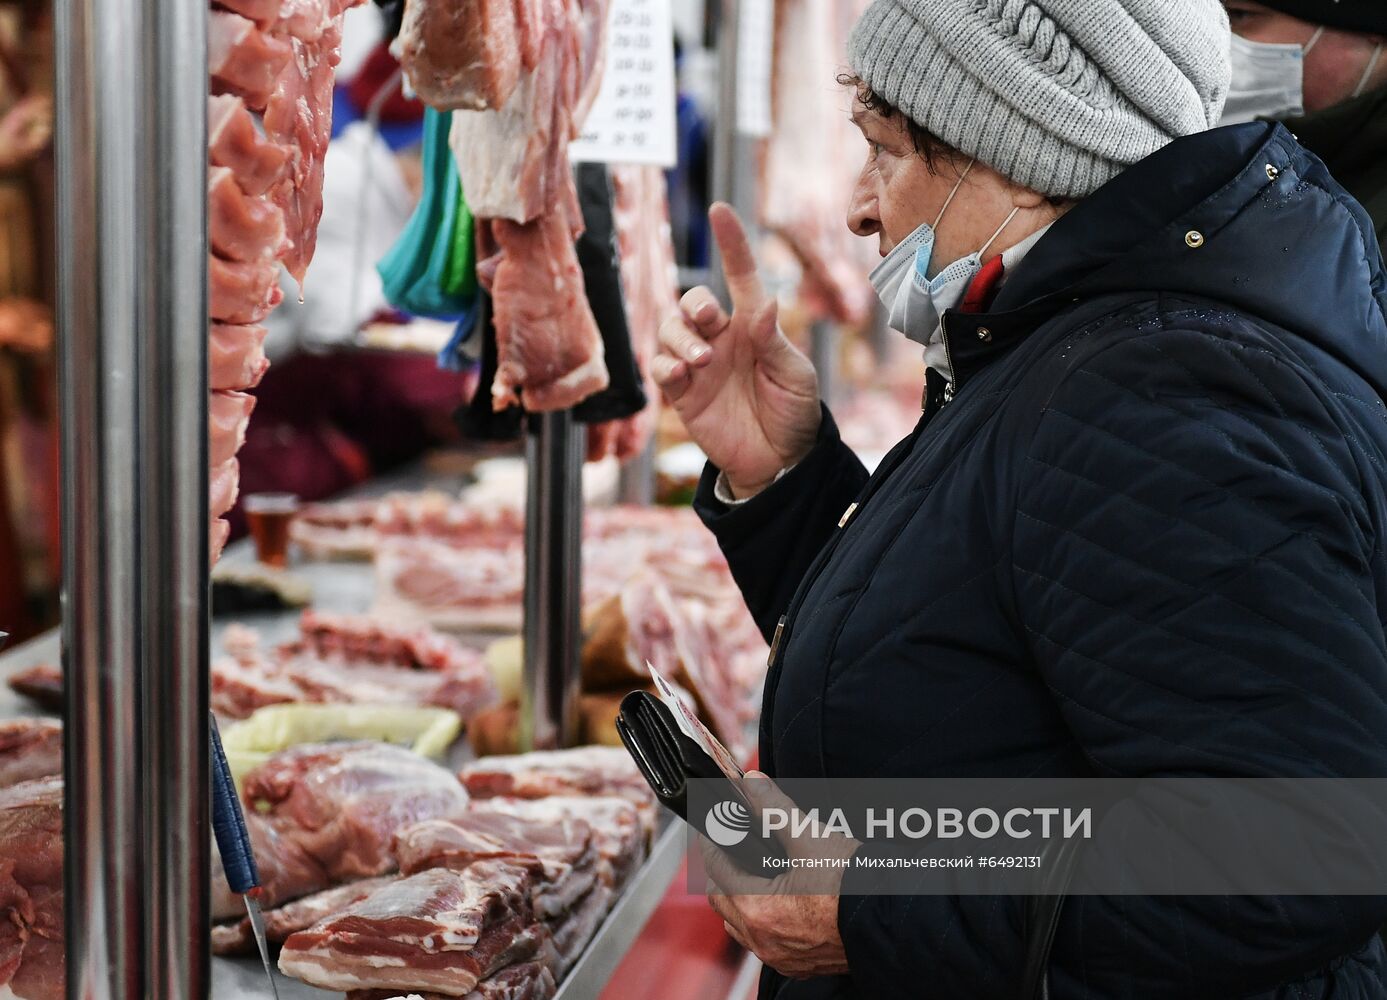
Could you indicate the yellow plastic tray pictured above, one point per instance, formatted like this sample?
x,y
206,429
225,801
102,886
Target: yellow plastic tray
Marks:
x,y
250,742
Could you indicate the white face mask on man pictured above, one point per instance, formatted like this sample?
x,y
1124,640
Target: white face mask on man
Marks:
x,y
1269,79
916,295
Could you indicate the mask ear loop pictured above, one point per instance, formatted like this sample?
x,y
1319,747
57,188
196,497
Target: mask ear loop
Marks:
x,y
950,200
1314,39
1368,73
1000,229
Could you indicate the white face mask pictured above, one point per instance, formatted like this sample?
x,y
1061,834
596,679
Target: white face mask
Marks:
x,y
917,298
889,277
1268,80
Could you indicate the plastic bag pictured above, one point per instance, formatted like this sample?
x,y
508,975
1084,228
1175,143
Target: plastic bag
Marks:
x,y
431,270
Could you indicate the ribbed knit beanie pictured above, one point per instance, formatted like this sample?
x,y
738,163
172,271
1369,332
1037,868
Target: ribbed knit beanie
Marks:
x,y
1059,96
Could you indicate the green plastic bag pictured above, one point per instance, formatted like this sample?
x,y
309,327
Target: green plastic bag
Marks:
x,y
431,269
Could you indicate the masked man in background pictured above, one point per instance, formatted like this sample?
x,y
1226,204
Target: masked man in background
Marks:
x,y
1319,66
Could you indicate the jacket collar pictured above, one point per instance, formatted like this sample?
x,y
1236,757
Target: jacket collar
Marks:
x,y
1193,218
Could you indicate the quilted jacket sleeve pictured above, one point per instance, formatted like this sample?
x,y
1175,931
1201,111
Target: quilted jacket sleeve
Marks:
x,y
771,540
1193,563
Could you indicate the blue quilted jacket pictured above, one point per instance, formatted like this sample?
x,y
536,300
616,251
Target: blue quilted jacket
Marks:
x,y
1141,535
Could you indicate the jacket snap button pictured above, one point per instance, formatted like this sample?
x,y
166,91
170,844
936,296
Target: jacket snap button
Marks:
x,y
985,335
1194,239
1272,172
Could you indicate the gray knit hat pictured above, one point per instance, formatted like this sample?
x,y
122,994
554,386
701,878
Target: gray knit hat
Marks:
x,y
1060,96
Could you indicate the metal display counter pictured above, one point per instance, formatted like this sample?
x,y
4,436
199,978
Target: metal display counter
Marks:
x,y
234,978
349,588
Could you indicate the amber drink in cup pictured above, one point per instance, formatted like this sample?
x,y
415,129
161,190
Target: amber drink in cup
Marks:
x,y
268,515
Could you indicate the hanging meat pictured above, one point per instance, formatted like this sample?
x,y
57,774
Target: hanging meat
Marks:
x,y
526,74
814,154
276,58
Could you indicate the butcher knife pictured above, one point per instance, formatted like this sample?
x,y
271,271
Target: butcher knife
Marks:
x,y
238,856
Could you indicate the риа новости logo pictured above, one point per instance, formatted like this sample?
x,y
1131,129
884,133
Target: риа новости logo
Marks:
x,y
728,824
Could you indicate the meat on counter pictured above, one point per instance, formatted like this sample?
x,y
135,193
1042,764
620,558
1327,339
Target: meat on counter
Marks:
x,y
440,930
29,749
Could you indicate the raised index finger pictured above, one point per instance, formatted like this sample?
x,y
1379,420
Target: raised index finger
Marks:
x,y
738,263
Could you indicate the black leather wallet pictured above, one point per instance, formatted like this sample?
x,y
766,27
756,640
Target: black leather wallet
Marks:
x,y
668,759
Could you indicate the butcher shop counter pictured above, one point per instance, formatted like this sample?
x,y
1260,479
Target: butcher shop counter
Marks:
x,y
348,588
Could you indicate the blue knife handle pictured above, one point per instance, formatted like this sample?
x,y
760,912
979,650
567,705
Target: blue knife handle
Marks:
x,y
229,824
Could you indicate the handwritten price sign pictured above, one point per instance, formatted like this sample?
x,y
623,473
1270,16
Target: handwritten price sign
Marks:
x,y
632,120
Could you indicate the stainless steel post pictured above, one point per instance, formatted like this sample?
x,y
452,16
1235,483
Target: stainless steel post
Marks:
x,y
823,351
131,195
553,580
734,178
725,138
636,481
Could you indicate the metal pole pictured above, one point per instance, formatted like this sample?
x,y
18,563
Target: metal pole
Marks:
x,y
636,480
823,351
553,580
131,218
725,139
734,177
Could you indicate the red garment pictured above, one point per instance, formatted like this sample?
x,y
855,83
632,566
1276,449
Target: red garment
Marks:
x,y
984,287
373,75
326,422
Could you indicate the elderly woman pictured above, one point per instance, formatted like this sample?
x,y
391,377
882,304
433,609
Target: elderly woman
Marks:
x,y
1138,530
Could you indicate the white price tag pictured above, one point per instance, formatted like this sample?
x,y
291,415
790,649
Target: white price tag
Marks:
x,y
694,729
633,118
755,48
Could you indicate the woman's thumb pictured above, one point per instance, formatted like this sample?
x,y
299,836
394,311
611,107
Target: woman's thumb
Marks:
x,y
765,328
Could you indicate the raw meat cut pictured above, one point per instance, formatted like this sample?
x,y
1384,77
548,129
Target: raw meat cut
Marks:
x,y
348,659
440,930
264,191
514,167
469,590
241,685
814,155
620,828
225,482
263,12
242,59
234,142
356,637
242,291
228,415
237,938
236,356
551,354
42,684
31,889
523,981
217,534
343,529
342,802
579,771
299,115
306,20
513,159
636,628
436,515
29,749
461,55
558,855
241,227
571,933
287,872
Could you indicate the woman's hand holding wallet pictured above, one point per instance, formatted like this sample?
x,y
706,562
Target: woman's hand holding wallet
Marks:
x,y
793,932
